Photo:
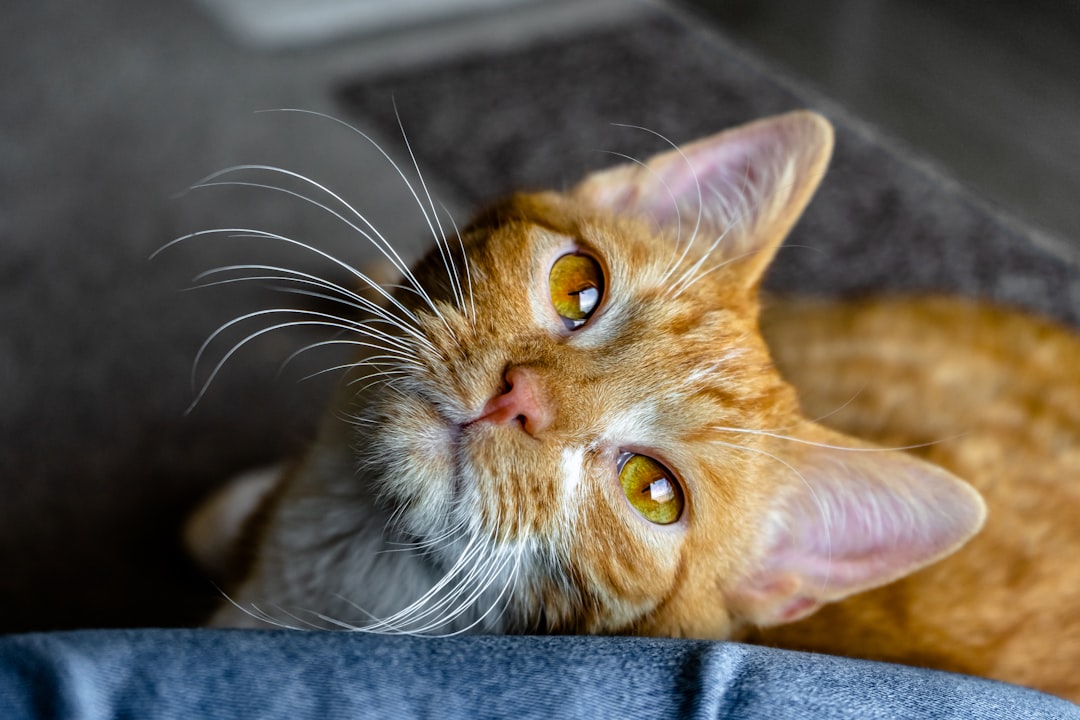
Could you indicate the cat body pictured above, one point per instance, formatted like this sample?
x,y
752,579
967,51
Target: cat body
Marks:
x,y
570,421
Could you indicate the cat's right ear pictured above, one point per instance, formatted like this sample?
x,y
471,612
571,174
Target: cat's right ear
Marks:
x,y
745,187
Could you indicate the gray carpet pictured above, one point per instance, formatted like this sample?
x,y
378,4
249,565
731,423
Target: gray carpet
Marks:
x,y
112,107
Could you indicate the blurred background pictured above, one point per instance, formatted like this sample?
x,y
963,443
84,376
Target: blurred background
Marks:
x,y
110,110
987,89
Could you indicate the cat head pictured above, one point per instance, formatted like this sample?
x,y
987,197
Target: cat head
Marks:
x,y
589,409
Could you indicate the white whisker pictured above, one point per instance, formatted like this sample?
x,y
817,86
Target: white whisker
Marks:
x,y
280,326
827,446
344,296
262,234
733,220
687,285
511,580
380,242
676,258
371,141
464,262
433,601
697,186
440,238
333,321
256,613
398,364
408,185
427,544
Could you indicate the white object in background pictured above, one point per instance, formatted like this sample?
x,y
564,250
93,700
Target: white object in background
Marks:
x,y
293,23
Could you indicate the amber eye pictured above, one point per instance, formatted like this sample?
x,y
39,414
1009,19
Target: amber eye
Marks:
x,y
576,283
651,489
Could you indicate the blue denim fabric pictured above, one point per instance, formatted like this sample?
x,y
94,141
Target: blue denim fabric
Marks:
x,y
298,675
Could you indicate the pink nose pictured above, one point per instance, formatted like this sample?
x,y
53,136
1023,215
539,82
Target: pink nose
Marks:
x,y
522,402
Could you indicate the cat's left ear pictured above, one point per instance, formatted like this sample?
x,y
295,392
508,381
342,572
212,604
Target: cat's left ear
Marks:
x,y
853,518
747,185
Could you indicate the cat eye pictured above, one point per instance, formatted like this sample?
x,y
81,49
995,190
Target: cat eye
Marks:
x,y
651,488
576,283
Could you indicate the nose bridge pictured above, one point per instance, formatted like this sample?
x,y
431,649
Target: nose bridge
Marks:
x,y
543,384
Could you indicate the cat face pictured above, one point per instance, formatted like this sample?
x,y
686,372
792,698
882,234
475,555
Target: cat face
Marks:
x,y
589,413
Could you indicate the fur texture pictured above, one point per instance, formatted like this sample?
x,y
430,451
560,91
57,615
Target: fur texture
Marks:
x,y
481,467
992,396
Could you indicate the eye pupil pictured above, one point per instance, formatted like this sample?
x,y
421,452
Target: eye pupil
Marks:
x,y
576,283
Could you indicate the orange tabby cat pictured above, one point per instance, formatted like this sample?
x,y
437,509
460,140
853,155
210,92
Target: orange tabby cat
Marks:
x,y
569,421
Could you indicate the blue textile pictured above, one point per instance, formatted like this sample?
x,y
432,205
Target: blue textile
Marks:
x,y
298,675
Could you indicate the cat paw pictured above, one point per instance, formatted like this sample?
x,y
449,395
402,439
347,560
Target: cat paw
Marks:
x,y
214,533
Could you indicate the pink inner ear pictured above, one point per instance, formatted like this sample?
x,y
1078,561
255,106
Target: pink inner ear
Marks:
x,y
737,193
723,176
852,534
857,520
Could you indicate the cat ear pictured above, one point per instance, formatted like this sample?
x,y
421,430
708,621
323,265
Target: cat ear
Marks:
x,y
747,185
856,519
